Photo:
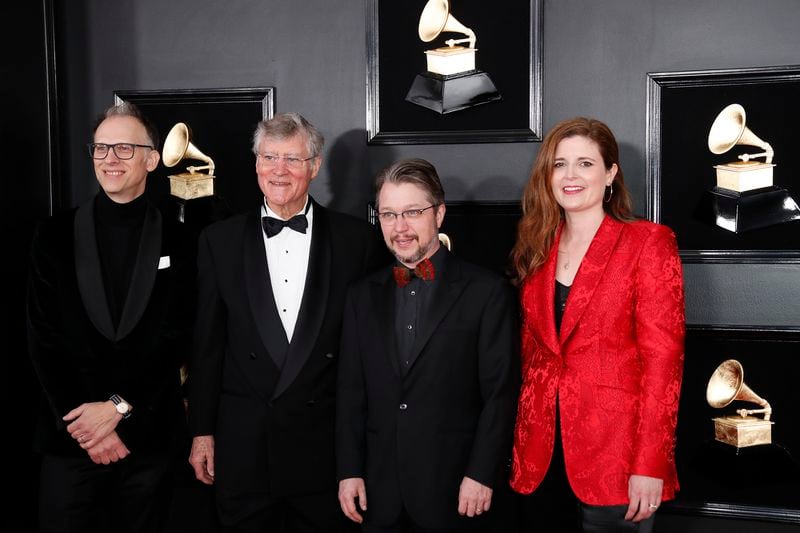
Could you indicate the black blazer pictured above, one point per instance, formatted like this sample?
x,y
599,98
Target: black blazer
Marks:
x,y
273,429
414,437
78,354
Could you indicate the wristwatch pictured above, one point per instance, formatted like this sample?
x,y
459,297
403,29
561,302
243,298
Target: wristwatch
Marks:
x,y
122,407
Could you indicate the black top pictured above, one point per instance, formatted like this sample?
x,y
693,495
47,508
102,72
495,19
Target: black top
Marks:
x,y
411,304
119,229
562,291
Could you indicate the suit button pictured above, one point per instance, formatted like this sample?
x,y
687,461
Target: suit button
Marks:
x,y
403,406
252,355
329,355
310,403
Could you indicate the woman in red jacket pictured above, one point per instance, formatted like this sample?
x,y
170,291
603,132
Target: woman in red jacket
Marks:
x,y
603,330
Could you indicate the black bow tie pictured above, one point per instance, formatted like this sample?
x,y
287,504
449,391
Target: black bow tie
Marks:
x,y
273,226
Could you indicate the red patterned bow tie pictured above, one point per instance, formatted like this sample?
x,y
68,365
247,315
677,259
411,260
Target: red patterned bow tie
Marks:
x,y
424,271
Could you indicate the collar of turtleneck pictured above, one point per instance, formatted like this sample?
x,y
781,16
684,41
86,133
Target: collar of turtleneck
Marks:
x,y
107,211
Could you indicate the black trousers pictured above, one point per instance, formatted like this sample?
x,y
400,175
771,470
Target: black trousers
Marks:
x,y
306,513
131,495
478,524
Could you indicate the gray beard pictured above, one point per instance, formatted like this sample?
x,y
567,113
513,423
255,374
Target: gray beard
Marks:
x,y
417,257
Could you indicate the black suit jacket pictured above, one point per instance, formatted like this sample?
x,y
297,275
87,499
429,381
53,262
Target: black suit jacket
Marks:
x,y
78,354
273,428
414,437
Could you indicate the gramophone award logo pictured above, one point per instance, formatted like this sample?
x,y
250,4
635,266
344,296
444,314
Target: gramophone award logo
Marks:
x,y
745,197
452,82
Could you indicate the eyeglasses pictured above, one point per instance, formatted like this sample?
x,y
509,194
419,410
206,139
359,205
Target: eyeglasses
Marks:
x,y
291,162
121,150
389,217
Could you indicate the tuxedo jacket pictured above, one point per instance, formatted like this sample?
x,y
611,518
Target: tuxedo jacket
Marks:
x,y
614,368
273,426
77,352
414,435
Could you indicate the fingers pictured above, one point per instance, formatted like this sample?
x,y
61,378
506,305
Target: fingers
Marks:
x,y
641,507
633,508
644,493
72,415
201,470
108,450
473,498
202,458
350,490
362,496
643,511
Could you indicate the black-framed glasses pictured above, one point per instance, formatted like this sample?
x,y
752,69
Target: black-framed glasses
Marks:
x,y
294,163
390,217
121,150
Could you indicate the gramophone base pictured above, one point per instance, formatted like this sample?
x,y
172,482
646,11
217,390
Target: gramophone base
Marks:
x,y
742,431
190,186
445,94
738,212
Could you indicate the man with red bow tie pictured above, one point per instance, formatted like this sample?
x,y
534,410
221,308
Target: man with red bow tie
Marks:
x,y
428,376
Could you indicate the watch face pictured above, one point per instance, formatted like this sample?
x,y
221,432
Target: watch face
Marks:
x,y
122,408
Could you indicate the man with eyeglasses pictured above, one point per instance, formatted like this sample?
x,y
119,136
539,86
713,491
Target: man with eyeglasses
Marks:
x,y
263,372
110,306
428,376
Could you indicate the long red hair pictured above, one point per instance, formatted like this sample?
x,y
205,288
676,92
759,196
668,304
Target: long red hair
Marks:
x,y
541,214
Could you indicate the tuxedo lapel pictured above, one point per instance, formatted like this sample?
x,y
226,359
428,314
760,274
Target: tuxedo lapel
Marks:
x,y
445,295
88,271
590,273
258,287
144,273
382,302
314,302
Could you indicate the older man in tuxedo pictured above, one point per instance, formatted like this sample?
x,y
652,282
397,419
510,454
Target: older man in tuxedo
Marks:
x,y
263,374
428,375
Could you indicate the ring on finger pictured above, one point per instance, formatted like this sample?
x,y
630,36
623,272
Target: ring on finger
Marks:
x,y
653,506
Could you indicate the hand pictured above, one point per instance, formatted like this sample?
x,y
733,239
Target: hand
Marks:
x,y
351,489
202,458
644,493
92,422
109,449
473,498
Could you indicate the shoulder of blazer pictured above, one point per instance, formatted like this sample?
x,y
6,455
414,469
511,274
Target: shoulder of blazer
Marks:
x,y
230,226
641,230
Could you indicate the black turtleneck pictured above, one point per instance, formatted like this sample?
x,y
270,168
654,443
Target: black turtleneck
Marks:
x,y
119,230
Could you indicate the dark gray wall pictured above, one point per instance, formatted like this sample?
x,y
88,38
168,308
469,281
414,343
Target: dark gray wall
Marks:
x,y
596,56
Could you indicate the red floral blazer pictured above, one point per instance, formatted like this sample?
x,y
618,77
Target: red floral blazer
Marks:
x,y
615,365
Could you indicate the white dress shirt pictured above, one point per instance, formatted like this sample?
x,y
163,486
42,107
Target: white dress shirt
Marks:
x,y
287,260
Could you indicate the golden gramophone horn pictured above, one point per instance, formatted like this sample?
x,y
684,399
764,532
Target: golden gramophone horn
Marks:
x,y
727,384
178,146
436,18
729,129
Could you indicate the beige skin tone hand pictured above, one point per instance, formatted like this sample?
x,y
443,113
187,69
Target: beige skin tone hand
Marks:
x,y
643,493
473,498
350,490
202,458
109,449
91,422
